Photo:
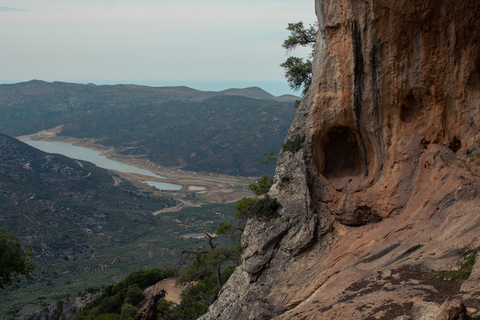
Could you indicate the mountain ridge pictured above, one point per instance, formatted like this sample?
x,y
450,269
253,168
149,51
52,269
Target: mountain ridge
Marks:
x,y
224,134
251,92
153,121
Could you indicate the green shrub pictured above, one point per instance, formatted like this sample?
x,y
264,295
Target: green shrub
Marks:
x,y
108,316
261,186
129,290
265,207
128,311
93,289
465,268
294,145
15,260
135,295
195,299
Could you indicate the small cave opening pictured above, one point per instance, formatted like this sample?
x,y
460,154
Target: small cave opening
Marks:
x,y
409,107
362,216
341,154
455,144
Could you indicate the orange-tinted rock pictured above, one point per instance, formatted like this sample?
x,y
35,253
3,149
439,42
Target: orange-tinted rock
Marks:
x,y
386,188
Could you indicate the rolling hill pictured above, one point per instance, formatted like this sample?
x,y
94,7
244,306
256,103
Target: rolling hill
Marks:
x,y
222,132
58,204
85,226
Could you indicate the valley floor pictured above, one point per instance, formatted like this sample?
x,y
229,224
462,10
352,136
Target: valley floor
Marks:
x,y
219,188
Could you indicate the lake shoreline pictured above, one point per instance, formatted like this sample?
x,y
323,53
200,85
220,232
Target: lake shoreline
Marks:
x,y
217,187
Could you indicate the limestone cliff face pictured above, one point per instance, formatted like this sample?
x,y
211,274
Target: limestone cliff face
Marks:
x,y
386,188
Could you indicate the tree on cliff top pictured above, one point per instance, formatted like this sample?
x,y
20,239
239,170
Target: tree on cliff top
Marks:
x,y
14,259
210,261
298,71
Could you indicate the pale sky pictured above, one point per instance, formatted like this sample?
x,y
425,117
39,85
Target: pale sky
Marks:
x,y
204,44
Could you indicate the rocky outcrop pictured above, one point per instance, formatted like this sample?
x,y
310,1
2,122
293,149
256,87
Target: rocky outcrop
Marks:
x,y
385,190
63,309
151,312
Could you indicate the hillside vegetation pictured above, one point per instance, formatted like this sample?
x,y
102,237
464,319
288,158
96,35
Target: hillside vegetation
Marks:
x,y
85,226
58,203
226,134
222,132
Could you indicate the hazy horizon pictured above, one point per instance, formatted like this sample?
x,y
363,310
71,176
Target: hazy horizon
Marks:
x,y
275,88
207,45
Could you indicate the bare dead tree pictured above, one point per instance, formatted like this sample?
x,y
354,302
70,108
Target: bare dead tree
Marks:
x,y
151,312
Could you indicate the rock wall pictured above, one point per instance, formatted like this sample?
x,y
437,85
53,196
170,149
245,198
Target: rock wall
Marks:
x,y
386,188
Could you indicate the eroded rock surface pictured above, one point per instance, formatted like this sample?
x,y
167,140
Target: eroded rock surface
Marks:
x,y
386,188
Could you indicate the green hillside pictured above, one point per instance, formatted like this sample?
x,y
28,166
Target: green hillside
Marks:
x,y
85,226
29,107
59,204
223,132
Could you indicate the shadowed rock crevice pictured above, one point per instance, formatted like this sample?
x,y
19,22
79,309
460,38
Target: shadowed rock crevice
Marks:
x,y
362,216
409,107
357,92
455,144
404,254
376,95
358,73
378,255
340,154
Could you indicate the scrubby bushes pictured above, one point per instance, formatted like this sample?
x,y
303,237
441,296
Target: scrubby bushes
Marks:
x,y
111,303
464,267
294,145
261,186
265,207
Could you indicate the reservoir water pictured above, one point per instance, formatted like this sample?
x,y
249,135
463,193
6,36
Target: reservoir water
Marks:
x,y
163,185
93,156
